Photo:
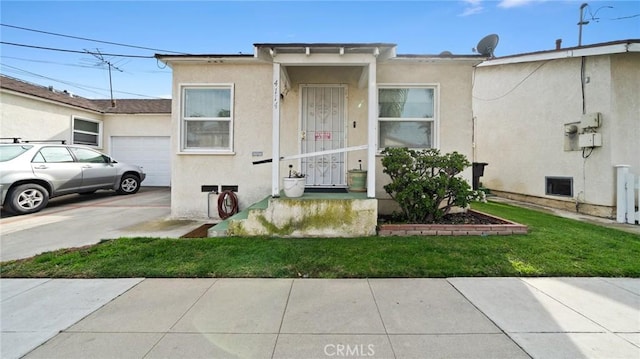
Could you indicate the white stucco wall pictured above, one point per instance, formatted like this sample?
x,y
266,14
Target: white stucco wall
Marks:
x,y
455,128
253,119
35,119
135,125
625,110
252,132
520,111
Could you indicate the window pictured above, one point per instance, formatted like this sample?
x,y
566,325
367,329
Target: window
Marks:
x,y
88,156
8,153
87,132
52,155
207,118
406,116
559,186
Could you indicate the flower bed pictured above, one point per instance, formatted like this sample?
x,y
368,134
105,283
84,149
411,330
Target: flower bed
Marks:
x,y
494,226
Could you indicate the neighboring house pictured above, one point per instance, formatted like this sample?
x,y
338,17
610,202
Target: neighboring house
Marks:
x,y
342,103
133,131
553,125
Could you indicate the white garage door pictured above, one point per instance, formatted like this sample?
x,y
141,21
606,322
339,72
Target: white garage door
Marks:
x,y
151,153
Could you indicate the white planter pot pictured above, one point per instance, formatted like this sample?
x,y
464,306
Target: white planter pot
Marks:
x,y
294,187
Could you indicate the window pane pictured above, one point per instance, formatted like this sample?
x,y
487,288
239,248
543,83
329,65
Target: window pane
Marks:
x,y
56,154
559,186
207,134
207,103
85,155
10,152
412,134
405,103
87,126
85,139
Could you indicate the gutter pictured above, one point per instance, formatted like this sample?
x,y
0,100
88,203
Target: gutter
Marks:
x,y
605,49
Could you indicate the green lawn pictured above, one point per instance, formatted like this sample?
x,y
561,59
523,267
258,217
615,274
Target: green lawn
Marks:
x,y
554,247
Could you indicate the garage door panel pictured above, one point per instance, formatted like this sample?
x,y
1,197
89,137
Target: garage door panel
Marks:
x,y
152,153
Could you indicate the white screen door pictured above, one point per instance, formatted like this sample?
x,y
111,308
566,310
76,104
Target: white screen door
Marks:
x,y
323,128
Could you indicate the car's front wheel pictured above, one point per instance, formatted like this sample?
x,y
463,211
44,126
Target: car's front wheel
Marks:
x,y
27,198
129,184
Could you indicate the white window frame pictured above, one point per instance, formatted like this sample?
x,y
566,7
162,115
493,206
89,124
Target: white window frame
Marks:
x,y
74,131
436,110
183,128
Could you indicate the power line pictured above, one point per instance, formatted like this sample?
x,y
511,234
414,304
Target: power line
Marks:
x,y
73,51
514,87
625,17
48,62
87,39
73,84
18,70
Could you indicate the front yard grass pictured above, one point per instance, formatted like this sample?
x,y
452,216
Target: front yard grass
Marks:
x,y
554,247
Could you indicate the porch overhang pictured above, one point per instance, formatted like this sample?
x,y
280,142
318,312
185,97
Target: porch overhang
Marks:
x,y
365,56
324,53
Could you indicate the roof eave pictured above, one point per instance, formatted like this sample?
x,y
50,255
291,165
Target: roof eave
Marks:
x,y
609,48
206,58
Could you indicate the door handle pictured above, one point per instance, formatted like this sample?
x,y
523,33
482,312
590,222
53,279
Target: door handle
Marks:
x,y
86,166
303,135
41,167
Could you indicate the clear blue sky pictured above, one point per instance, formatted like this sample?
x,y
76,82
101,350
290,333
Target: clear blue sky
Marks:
x,y
231,27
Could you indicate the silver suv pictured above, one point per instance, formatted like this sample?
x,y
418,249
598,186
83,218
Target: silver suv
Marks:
x,y
31,173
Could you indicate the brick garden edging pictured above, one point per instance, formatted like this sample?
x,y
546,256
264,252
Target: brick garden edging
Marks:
x,y
503,227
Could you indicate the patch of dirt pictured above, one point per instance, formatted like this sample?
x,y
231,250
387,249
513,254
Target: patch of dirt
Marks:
x,y
200,232
452,218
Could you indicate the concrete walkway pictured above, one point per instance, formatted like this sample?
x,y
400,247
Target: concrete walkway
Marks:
x,y
317,318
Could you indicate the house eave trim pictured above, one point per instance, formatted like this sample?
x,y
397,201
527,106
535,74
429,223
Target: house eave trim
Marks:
x,y
203,59
50,101
617,48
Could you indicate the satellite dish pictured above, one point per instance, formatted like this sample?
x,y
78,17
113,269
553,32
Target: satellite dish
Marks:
x,y
487,45
446,53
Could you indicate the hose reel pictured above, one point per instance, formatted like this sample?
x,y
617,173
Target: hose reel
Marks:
x,y
227,204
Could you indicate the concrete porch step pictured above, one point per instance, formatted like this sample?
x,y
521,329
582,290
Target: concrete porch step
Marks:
x,y
312,215
220,229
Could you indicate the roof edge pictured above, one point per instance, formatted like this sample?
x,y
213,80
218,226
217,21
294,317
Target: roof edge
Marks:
x,y
604,48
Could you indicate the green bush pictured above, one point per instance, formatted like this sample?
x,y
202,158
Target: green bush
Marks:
x,y
425,183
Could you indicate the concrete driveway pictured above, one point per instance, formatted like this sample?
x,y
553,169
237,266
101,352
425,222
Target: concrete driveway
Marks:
x,y
80,220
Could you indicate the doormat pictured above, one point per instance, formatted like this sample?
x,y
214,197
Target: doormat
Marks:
x,y
326,190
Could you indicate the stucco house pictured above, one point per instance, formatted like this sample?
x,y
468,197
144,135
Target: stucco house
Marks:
x,y
553,125
136,131
322,108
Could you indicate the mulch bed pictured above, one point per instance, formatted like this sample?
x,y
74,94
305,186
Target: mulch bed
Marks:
x,y
452,218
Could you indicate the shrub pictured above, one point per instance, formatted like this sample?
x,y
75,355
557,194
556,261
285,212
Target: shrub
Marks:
x,y
425,183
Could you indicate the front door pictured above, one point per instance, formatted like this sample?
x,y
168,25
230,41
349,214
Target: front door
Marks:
x,y
323,128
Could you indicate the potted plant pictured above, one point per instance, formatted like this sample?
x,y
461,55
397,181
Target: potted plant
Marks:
x,y
357,179
294,184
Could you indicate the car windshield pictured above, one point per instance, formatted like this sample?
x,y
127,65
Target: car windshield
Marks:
x,y
12,151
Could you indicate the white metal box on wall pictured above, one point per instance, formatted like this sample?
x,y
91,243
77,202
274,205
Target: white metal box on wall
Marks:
x,y
591,120
590,140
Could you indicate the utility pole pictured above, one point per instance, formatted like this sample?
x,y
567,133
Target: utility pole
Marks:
x,y
582,22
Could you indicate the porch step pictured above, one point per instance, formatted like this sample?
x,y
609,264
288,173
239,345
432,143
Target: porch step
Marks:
x,y
312,215
220,229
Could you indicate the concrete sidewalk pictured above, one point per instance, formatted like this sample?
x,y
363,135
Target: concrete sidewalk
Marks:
x,y
318,318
